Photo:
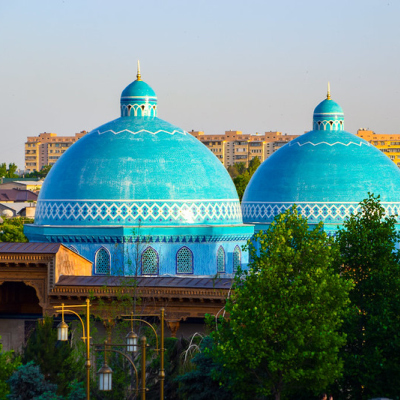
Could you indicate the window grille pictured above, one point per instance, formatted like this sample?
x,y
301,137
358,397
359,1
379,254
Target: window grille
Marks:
x,y
236,258
149,262
74,249
184,261
221,260
103,262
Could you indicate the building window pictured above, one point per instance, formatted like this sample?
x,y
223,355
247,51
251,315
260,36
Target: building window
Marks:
x,y
103,262
149,262
184,261
236,258
221,259
73,249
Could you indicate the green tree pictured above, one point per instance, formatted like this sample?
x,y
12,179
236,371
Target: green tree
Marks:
x,y
371,259
241,181
57,360
199,384
12,168
9,362
12,230
285,314
28,383
3,170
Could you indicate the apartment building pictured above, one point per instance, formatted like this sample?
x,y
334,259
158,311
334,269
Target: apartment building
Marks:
x,y
387,143
46,149
234,146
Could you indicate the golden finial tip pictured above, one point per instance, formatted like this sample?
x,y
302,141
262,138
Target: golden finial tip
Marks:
x,y
328,96
138,76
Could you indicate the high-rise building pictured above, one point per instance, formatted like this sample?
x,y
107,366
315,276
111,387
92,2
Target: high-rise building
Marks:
x,y
387,143
46,149
234,146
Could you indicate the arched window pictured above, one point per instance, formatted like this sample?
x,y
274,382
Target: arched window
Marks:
x,y
184,261
74,249
237,258
221,259
103,262
149,262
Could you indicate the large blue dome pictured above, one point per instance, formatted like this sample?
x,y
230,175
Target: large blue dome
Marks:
x,y
140,196
326,172
138,169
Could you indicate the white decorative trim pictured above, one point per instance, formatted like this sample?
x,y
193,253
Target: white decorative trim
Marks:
x,y
182,132
329,144
119,212
329,212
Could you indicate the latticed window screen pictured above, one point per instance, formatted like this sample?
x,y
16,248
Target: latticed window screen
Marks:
x,y
74,249
221,260
103,262
184,261
236,258
149,262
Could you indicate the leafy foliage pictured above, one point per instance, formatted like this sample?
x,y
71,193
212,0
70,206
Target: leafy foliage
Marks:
x,y
9,362
28,382
285,314
241,181
371,259
8,172
57,360
12,230
39,174
198,384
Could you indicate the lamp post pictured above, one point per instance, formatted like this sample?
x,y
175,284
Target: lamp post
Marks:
x,y
132,346
159,349
105,372
62,334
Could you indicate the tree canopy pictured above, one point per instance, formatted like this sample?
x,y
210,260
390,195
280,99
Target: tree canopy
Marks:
x,y
285,312
12,230
371,259
241,175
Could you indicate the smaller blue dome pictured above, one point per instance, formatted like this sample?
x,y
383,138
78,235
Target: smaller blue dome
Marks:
x,y
138,99
328,106
328,115
138,88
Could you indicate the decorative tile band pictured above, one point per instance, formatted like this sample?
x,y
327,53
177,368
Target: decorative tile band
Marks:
x,y
100,212
315,212
149,239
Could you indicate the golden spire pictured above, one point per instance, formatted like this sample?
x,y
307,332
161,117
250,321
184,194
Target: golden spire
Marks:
x,y
328,96
138,76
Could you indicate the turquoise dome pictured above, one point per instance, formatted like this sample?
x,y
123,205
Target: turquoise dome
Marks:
x,y
138,88
138,170
326,172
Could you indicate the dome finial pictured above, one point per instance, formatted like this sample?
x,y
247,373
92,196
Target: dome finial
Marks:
x,y
138,76
328,95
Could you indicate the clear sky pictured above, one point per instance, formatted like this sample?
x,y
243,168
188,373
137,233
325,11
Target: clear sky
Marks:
x,y
215,65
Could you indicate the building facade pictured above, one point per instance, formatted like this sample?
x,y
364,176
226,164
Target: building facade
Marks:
x,y
46,149
386,143
235,147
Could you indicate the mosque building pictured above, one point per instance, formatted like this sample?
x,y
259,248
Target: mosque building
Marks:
x,y
139,196
326,172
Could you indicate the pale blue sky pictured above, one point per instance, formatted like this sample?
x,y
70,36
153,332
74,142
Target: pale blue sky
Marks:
x,y
215,65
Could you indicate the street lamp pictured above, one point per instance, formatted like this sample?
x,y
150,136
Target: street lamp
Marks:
x,y
62,334
62,331
132,342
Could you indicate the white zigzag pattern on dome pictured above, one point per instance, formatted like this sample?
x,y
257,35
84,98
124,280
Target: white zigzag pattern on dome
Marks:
x,y
330,144
188,211
141,131
313,211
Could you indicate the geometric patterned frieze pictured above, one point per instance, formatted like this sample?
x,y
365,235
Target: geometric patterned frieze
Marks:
x,y
147,238
315,212
117,212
